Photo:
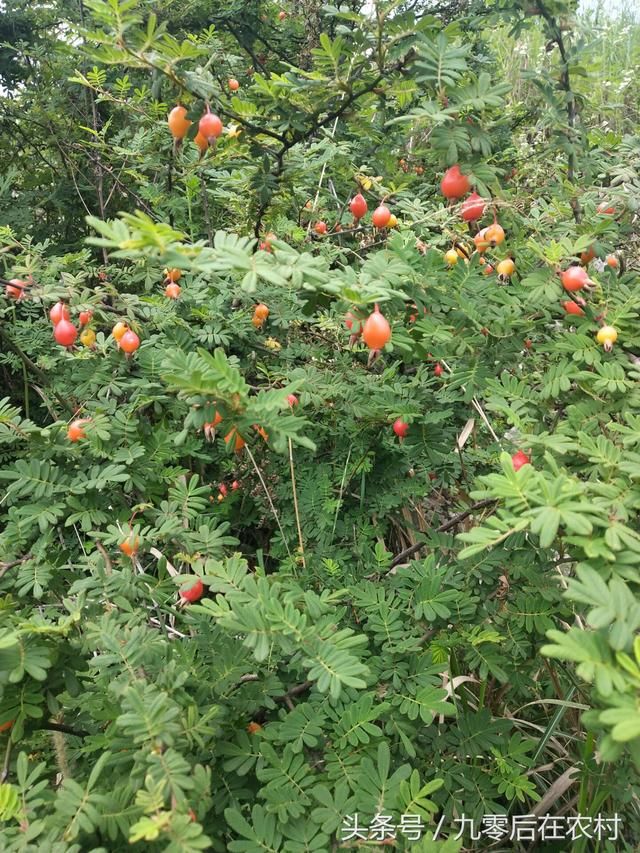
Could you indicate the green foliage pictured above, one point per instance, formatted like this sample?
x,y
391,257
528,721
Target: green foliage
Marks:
x,y
387,627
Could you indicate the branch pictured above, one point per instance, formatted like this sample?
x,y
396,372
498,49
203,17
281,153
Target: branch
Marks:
x,y
447,525
42,377
4,567
59,727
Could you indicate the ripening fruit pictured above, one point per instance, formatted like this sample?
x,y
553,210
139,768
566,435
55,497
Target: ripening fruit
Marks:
x,y
201,142
254,728
320,227
495,234
506,268
6,726
119,330
130,546
210,126
528,344
481,241
587,256
419,170
607,336
59,311
84,317
235,486
172,275
257,322
377,331
438,371
15,289
472,208
217,418
192,591
88,338
381,216
129,342
172,291
75,431
612,261
178,122
572,307
451,257
605,209
65,333
282,15
519,459
233,84
261,432
233,436
222,489
261,311
393,221
292,400
401,428
454,184
358,206
574,278
487,269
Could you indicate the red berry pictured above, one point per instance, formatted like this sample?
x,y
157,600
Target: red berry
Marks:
x,y
574,278
233,84
129,342
350,321
235,486
59,311
572,307
192,592
222,489
520,459
292,400
320,227
401,428
605,209
358,206
472,207
454,184
438,371
15,289
65,333
381,216
377,331
85,317
210,126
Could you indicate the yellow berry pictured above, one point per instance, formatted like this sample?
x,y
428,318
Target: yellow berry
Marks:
x,y
506,268
88,338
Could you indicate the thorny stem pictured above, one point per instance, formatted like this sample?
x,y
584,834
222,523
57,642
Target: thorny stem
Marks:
x,y
271,504
295,504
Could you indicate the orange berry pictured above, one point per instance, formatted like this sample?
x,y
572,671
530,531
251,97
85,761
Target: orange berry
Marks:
x,y
178,122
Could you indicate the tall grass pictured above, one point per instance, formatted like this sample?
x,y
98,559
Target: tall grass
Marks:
x,y
608,34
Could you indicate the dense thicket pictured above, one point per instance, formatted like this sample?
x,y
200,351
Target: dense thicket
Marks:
x,y
265,563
